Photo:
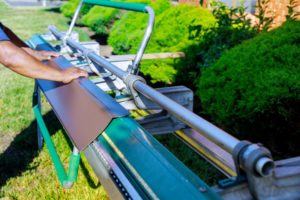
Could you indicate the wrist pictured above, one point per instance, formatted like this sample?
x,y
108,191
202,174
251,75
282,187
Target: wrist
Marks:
x,y
60,76
28,50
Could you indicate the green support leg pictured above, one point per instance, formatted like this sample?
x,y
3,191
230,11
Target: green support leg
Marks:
x,y
65,180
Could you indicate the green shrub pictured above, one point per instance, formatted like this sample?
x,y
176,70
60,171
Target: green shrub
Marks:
x,y
161,71
98,18
231,29
68,8
254,88
171,33
172,27
127,33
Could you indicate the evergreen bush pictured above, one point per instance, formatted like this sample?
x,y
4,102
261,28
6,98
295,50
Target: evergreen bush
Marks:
x,y
127,33
254,88
98,18
171,34
68,8
231,28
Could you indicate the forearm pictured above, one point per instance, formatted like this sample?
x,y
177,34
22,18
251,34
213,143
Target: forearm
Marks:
x,y
40,55
21,62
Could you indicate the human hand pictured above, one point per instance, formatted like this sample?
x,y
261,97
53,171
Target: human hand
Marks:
x,y
72,73
44,55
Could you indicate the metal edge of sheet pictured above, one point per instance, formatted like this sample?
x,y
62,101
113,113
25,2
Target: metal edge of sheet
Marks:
x,y
219,158
109,174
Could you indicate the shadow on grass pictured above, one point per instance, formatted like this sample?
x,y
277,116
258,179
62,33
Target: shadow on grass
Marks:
x,y
21,152
54,9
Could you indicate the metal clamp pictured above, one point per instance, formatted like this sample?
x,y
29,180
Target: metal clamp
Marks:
x,y
129,80
237,151
253,158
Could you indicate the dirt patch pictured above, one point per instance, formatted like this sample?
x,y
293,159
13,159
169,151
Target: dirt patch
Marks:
x,y
5,140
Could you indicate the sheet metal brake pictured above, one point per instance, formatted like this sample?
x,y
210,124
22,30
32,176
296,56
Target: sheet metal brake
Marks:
x,y
129,162
139,155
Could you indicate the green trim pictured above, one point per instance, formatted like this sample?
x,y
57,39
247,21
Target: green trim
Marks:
x,y
73,167
121,5
150,167
64,179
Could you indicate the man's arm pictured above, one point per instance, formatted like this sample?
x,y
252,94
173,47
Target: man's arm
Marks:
x,y
21,62
40,55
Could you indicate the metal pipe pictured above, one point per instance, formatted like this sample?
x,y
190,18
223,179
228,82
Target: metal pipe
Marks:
x,y
39,133
75,151
76,14
265,166
147,35
218,136
88,53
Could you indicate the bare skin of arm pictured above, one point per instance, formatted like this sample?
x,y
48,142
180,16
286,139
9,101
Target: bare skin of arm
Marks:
x,y
40,55
20,61
17,56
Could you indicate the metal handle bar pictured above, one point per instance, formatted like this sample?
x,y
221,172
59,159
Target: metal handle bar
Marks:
x,y
121,5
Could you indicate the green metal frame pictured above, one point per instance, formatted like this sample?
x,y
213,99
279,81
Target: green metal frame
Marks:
x,y
65,180
125,139
121,5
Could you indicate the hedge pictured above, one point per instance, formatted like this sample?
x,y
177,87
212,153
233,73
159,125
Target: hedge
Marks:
x,y
254,88
171,34
68,8
98,18
231,28
126,34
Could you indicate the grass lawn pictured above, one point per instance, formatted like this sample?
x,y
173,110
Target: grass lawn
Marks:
x,y
25,172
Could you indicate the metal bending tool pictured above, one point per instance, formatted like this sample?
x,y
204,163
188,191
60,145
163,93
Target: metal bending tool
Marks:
x,y
130,163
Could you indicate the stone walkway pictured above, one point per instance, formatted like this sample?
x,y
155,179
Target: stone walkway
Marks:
x,y
33,3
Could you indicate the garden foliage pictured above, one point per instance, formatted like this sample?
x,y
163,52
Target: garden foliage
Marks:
x,y
68,9
254,88
98,18
232,27
171,34
127,33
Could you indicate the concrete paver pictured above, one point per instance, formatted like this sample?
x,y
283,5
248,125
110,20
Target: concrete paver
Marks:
x,y
33,3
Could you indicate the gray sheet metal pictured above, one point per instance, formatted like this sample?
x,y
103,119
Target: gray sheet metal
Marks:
x,y
83,109
112,178
219,158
